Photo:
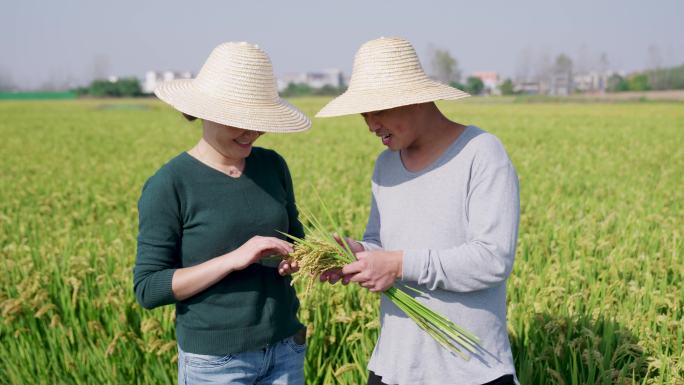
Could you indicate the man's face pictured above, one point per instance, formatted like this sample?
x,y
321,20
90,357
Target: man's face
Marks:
x,y
394,126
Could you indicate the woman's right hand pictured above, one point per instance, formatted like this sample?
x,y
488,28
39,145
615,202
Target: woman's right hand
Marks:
x,y
256,248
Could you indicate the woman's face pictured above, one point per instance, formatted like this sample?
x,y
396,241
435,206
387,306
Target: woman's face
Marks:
x,y
231,142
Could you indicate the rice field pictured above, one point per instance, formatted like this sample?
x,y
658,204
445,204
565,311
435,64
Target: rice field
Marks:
x,y
595,297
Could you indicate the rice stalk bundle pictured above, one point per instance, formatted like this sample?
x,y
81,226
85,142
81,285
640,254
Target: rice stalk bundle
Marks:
x,y
320,252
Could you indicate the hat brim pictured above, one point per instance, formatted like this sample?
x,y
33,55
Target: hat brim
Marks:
x,y
360,101
280,116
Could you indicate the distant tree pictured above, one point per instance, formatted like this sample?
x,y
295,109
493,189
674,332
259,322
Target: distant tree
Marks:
x,y
507,87
671,78
658,78
129,87
458,85
563,65
303,89
296,89
445,67
638,82
604,63
126,87
81,91
474,85
523,66
677,77
328,90
617,83
543,66
583,60
101,88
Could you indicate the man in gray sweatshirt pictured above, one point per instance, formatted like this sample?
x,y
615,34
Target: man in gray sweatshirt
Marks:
x,y
444,219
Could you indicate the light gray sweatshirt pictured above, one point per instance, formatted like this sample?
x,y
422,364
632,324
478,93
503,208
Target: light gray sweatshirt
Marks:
x,y
457,223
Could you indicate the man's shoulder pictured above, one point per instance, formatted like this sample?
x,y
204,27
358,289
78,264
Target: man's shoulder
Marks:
x,y
487,145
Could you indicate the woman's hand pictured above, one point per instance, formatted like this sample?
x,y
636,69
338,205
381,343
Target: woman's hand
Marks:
x,y
256,248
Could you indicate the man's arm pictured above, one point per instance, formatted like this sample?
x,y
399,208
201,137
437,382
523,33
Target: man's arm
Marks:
x,y
486,259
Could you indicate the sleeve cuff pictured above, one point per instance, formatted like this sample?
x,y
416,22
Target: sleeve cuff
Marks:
x,y
412,265
160,291
368,246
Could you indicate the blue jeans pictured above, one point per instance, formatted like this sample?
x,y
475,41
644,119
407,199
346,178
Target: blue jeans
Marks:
x,y
278,364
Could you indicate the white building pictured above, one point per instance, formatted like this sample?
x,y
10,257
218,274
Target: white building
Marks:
x,y
592,81
153,78
528,87
491,81
561,84
329,77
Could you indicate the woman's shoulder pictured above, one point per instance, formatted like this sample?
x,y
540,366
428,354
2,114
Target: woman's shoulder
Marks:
x,y
265,153
267,156
167,174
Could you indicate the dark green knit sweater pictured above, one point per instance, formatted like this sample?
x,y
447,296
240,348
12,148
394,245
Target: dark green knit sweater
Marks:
x,y
190,213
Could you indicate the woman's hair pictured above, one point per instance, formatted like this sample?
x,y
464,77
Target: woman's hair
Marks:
x,y
189,118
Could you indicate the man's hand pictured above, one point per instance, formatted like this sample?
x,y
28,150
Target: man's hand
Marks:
x,y
286,267
334,275
374,270
354,246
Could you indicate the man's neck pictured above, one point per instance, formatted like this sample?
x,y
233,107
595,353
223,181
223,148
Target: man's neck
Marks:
x,y
436,134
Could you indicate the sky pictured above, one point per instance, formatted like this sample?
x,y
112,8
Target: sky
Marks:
x,y
69,42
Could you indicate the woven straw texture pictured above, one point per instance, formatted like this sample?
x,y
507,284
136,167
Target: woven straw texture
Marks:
x,y
387,74
235,87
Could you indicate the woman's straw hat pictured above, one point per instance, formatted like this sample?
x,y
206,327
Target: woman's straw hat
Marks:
x,y
235,87
387,74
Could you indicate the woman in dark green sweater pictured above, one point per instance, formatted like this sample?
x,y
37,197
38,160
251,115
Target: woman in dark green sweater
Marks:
x,y
210,214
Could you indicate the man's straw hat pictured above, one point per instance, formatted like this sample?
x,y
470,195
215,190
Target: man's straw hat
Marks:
x,y
235,87
387,74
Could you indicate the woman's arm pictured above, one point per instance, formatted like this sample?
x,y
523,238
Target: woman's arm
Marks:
x,y
189,281
159,233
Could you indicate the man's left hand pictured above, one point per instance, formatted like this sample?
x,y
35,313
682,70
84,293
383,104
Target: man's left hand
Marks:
x,y
374,270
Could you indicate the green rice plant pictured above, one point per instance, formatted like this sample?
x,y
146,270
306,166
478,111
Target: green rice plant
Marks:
x,y
595,296
321,251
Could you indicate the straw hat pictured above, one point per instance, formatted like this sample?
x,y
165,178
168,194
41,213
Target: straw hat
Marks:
x,y
387,74
235,87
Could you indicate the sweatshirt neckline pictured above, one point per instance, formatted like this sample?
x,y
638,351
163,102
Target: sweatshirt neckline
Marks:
x,y
454,144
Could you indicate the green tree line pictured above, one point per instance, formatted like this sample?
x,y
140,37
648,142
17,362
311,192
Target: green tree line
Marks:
x,y
658,79
124,87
